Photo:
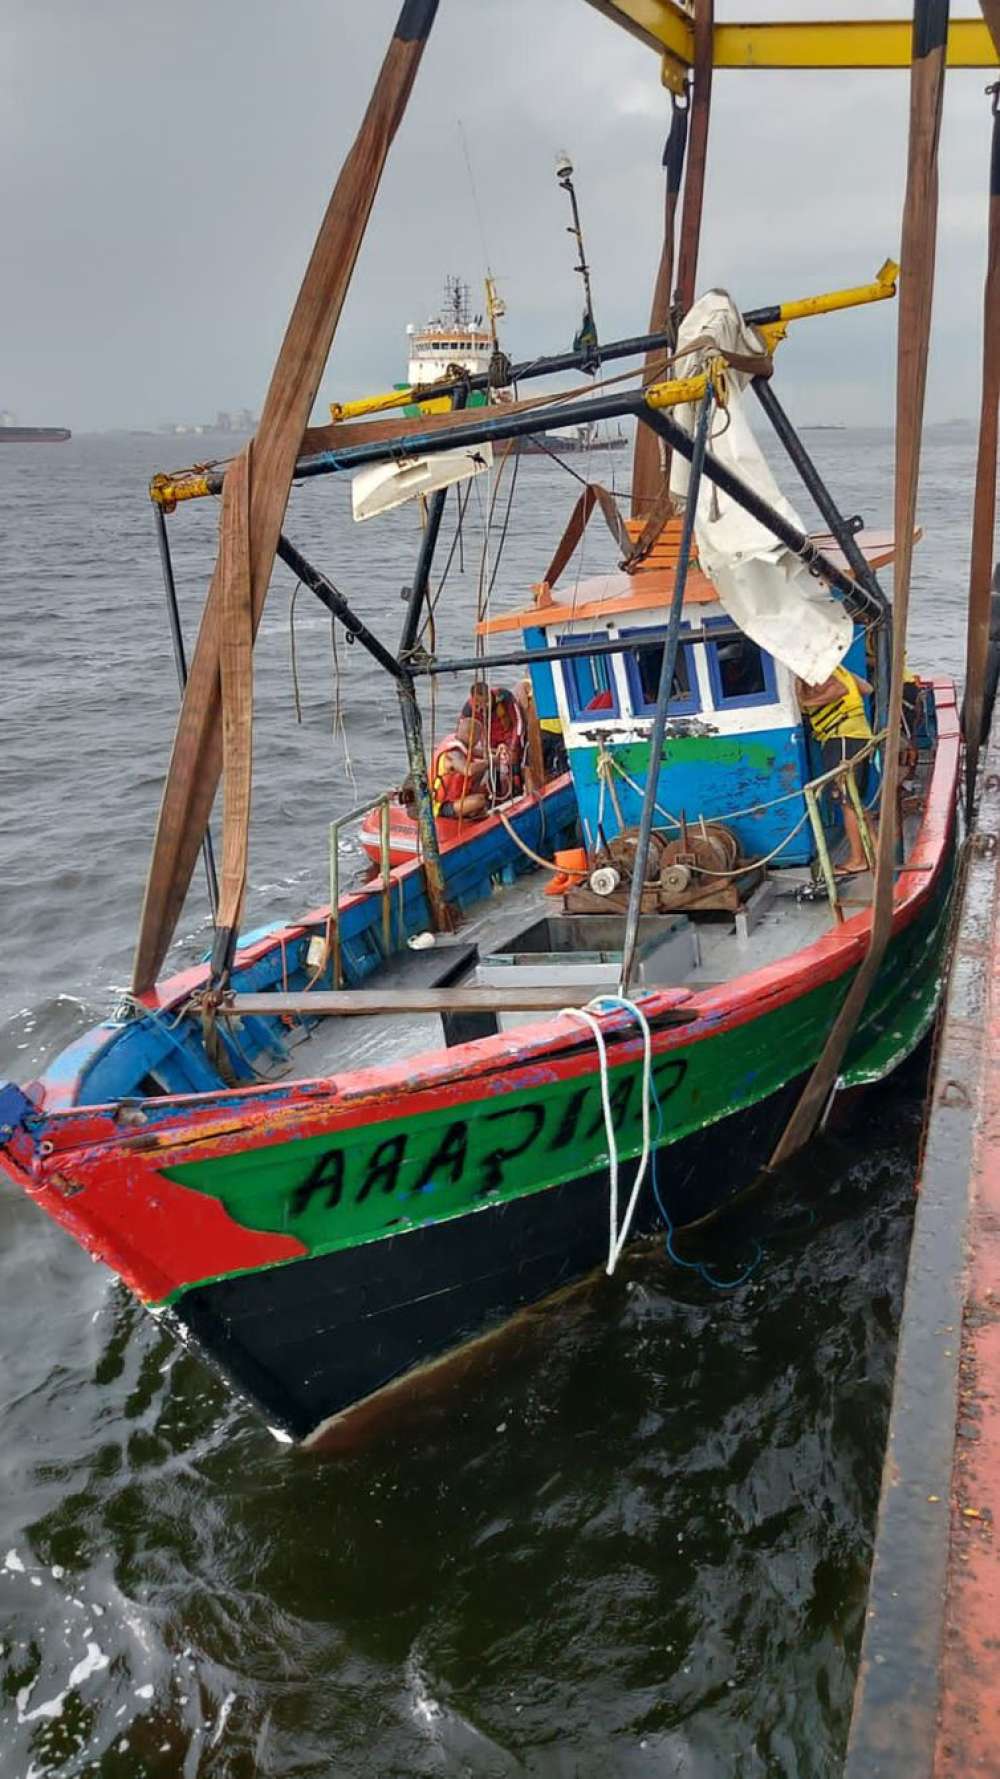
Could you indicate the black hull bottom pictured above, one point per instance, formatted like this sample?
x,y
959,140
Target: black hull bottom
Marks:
x,y
310,1339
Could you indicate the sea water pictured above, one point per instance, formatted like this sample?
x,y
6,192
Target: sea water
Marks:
x,y
635,1540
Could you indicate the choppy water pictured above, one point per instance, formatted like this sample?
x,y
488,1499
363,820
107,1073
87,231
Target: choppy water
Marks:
x,y
637,1542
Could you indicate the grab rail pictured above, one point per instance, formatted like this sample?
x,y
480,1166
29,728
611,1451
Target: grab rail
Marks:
x,y
382,803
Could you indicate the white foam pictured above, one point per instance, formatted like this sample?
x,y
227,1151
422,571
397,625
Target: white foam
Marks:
x,y
48,1707
143,1692
13,1561
224,1710
92,1663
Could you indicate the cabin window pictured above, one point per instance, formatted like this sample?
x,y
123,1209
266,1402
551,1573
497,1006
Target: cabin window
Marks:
x,y
590,682
643,665
740,672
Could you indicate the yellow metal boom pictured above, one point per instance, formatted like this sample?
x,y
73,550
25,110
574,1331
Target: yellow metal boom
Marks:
x,y
665,25
194,484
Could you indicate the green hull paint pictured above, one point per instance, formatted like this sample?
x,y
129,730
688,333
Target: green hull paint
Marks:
x,y
741,753
379,1180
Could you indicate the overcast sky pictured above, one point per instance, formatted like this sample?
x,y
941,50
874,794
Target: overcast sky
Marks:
x,y
165,169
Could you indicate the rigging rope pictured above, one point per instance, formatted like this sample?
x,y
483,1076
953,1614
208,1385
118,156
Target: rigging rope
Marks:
x,y
292,652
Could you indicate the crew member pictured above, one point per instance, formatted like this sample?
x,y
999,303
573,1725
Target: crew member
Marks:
x,y
838,720
457,771
494,713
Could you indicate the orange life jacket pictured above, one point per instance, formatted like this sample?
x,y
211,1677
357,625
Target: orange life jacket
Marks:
x,y
446,783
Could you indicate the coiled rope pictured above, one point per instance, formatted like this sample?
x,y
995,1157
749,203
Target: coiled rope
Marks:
x,y
618,1234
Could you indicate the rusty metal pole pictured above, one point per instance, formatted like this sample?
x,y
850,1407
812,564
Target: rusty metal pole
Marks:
x,y
984,507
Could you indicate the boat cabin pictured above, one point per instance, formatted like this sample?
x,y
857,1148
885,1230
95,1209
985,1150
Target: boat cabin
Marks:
x,y
738,750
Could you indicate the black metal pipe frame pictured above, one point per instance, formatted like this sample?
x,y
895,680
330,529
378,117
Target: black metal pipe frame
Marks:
x,y
636,346
572,651
668,665
416,594
857,598
180,659
841,529
335,603
409,704
409,712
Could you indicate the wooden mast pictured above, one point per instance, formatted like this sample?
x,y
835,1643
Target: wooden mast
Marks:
x,y
689,129
694,179
647,455
916,290
196,761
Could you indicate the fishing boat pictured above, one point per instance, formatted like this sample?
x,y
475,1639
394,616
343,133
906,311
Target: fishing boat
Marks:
x,y
342,1149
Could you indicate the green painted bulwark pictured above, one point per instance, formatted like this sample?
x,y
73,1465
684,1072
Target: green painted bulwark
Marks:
x,y
380,1180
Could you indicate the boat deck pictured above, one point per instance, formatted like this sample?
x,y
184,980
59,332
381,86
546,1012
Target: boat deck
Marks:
x,y
786,913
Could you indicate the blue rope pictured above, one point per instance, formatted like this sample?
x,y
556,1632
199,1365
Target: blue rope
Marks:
x,y
698,1266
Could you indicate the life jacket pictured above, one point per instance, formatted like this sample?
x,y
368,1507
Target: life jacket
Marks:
x,y
843,717
446,783
506,719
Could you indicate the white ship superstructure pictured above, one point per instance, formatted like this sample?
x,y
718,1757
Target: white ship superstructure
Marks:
x,y
452,338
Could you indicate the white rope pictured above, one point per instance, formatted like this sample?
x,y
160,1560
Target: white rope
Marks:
x,y
618,1234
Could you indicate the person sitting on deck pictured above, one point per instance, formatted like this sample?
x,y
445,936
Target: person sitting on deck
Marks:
x,y
457,771
838,720
494,712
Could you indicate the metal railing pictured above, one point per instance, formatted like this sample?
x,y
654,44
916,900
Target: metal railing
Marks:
x,y
382,803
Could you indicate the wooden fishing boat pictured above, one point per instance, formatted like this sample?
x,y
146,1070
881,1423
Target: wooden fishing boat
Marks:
x,y
339,1149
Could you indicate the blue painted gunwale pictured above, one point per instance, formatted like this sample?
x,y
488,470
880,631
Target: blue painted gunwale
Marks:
x,y
112,1060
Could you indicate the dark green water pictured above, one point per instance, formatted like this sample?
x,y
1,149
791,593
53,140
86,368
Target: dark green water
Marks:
x,y
635,1540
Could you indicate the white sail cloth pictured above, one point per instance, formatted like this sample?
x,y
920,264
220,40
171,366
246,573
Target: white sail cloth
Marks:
x,y
764,588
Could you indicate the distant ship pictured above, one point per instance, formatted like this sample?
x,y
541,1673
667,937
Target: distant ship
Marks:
x,y
12,434
455,340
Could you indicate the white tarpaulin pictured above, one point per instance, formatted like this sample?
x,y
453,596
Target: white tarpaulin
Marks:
x,y
766,590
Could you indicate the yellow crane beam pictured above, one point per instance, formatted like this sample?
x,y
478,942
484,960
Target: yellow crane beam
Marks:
x,y
665,25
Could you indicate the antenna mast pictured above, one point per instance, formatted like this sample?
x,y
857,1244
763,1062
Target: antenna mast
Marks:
x,y
586,339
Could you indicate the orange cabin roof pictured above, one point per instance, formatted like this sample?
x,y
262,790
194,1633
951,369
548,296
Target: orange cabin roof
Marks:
x,y
652,583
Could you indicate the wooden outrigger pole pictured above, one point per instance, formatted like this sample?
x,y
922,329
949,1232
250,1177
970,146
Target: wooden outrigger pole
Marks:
x,y
647,455
694,178
689,130
196,761
930,39
984,508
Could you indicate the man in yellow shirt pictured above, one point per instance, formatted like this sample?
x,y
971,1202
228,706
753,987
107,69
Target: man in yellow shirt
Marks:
x,y
837,717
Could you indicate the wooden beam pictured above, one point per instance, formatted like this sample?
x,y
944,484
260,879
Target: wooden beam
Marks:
x,y
352,1003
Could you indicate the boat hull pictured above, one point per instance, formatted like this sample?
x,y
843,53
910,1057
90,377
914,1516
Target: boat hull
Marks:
x,y
317,1345
320,1240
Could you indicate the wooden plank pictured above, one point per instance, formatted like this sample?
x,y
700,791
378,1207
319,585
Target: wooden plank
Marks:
x,y
350,1003
196,761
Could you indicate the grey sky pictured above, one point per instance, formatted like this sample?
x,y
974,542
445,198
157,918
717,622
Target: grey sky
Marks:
x,y
165,170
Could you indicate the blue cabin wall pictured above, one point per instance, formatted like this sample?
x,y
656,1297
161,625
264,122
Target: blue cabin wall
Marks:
x,y
709,775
